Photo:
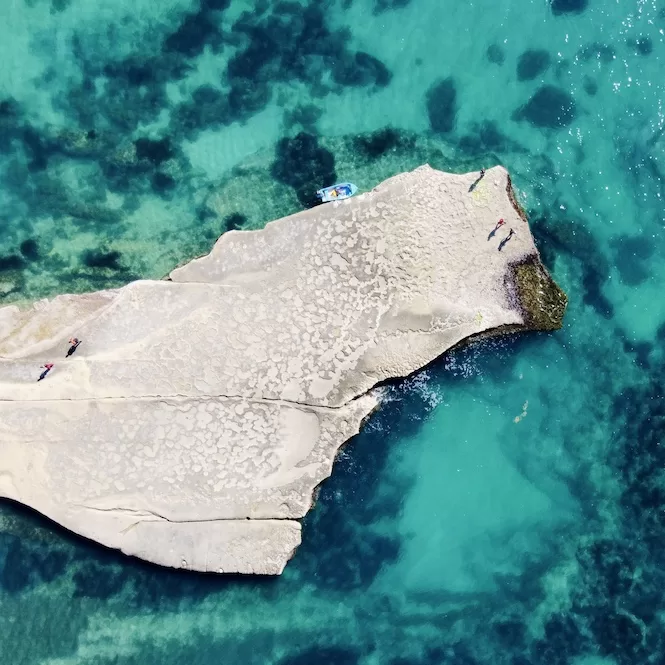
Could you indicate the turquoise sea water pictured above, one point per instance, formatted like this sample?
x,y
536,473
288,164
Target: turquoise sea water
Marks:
x,y
507,504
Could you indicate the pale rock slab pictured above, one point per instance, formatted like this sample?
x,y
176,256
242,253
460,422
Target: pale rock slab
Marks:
x,y
195,421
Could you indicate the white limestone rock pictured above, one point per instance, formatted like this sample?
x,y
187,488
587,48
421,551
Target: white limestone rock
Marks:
x,y
196,419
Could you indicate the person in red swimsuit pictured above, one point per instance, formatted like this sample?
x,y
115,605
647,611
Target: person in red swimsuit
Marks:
x,y
499,224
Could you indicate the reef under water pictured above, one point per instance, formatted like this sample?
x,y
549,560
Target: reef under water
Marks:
x,y
505,505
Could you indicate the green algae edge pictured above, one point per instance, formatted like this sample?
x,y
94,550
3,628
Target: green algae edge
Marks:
x,y
540,299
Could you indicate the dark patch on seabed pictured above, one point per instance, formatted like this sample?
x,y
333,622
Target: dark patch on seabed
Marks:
x,y
295,44
334,553
114,98
642,45
383,141
632,255
30,249
11,262
303,164
557,234
568,6
163,184
102,259
495,54
57,6
333,655
603,53
590,86
532,63
441,104
197,30
234,222
549,107
381,6
488,139
155,151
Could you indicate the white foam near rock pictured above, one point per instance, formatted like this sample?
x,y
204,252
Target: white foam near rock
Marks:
x,y
199,414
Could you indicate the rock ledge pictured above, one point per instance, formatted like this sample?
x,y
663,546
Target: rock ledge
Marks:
x,y
200,413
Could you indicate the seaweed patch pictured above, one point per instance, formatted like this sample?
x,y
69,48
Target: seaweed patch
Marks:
x,y
100,258
383,141
442,105
304,165
532,63
550,107
568,6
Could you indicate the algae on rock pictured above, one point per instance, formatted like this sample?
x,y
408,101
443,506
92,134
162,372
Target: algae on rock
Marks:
x,y
542,302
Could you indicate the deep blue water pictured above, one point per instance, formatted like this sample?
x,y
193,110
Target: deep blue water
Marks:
x,y
507,504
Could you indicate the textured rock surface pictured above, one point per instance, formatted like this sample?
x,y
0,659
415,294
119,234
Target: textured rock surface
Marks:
x,y
196,419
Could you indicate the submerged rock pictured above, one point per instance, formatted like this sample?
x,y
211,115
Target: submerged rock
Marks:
x,y
495,54
198,416
303,164
532,63
642,45
442,105
549,107
568,6
362,69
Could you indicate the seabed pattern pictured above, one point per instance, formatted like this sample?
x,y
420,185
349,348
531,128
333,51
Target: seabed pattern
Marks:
x,y
132,135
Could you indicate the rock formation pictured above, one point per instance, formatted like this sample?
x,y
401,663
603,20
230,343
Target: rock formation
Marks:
x,y
197,417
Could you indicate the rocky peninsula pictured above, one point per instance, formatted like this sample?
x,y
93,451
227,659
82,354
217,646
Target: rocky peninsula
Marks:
x,y
195,421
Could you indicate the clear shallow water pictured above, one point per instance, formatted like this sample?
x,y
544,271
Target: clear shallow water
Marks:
x,y
449,532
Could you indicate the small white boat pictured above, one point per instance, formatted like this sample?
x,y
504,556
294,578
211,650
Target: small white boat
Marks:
x,y
342,190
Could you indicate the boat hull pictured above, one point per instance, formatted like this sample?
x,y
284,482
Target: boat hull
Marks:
x,y
338,192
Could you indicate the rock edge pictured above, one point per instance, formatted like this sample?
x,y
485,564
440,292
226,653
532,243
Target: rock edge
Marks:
x,y
200,414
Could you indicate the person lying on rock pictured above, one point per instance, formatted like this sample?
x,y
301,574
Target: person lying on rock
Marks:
x,y
47,368
74,341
